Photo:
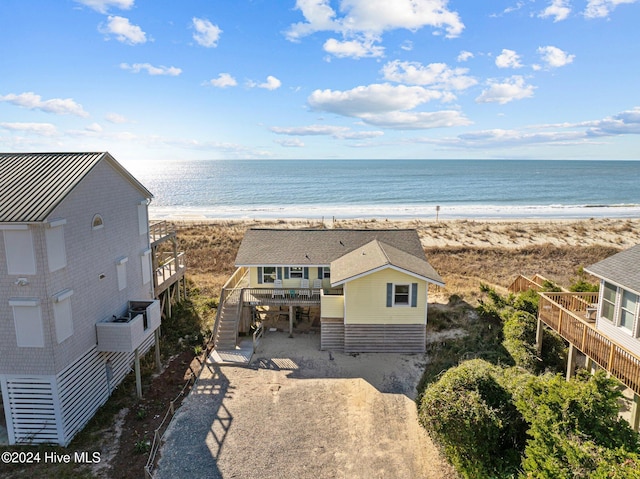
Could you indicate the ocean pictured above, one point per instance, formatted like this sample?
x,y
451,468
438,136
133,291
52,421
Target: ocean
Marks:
x,y
392,189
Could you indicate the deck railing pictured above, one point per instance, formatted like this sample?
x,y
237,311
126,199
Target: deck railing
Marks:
x,y
566,313
522,283
160,230
169,266
281,296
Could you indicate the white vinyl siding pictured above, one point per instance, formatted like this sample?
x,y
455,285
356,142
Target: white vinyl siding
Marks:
x,y
56,253
121,268
27,317
62,315
18,245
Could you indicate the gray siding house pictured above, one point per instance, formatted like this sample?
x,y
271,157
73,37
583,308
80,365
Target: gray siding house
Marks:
x,y
76,289
618,305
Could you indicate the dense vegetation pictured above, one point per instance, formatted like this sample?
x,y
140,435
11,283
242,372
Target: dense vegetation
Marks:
x,y
517,417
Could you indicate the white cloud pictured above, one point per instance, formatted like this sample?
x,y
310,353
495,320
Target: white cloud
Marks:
x,y
115,118
353,48
124,31
602,8
513,88
59,106
508,59
102,6
224,80
464,56
150,69
375,98
272,83
40,129
554,57
374,17
436,75
409,120
207,34
290,143
339,132
94,128
624,123
559,10
407,45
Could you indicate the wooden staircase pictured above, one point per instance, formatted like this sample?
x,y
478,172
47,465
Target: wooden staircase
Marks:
x,y
227,332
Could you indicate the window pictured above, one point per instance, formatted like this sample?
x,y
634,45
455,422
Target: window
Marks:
x,y
326,272
609,302
96,222
27,318
146,266
296,272
18,246
143,222
628,310
268,275
62,314
121,270
54,237
400,294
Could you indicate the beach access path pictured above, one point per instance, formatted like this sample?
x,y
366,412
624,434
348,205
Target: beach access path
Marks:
x,y
298,412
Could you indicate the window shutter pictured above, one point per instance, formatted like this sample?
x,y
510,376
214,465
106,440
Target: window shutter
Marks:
x,y
305,272
414,295
389,295
320,272
287,272
279,273
260,275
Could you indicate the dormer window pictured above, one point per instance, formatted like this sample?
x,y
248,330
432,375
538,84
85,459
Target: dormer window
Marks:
x,y
96,222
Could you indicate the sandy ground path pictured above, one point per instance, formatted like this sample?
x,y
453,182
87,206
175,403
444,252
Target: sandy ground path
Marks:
x,y
298,412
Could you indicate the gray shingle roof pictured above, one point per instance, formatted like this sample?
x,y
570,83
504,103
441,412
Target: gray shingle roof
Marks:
x,y
300,247
622,268
33,184
376,255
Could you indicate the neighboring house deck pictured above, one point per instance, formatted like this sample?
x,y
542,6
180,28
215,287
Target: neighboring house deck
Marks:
x,y
604,326
169,265
369,286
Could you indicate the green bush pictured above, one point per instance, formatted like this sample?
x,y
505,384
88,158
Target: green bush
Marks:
x,y
520,340
474,419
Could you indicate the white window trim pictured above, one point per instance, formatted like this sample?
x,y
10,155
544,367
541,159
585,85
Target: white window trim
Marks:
x,y
275,275
298,274
393,296
326,272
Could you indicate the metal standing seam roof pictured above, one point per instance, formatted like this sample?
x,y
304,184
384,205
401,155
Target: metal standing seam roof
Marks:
x,y
377,255
622,268
33,184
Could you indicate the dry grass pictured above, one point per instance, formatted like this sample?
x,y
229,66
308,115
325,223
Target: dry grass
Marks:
x,y
464,252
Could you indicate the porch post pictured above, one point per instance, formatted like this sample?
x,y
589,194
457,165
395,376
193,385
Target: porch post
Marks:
x,y
588,364
291,321
571,361
156,333
138,376
635,412
539,332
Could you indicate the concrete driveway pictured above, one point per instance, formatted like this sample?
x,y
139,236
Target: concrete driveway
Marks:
x,y
298,412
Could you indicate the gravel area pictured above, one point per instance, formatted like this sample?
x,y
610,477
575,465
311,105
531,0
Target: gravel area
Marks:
x,y
298,412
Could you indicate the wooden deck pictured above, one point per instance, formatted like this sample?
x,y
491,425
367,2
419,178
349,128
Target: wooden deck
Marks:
x,y
569,314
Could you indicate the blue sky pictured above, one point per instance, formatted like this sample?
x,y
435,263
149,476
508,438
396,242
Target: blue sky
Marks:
x,y
230,79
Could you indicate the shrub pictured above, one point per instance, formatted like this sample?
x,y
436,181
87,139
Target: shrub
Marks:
x,y
520,340
475,421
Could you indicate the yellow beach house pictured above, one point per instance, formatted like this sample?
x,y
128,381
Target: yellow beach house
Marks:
x,y
369,288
